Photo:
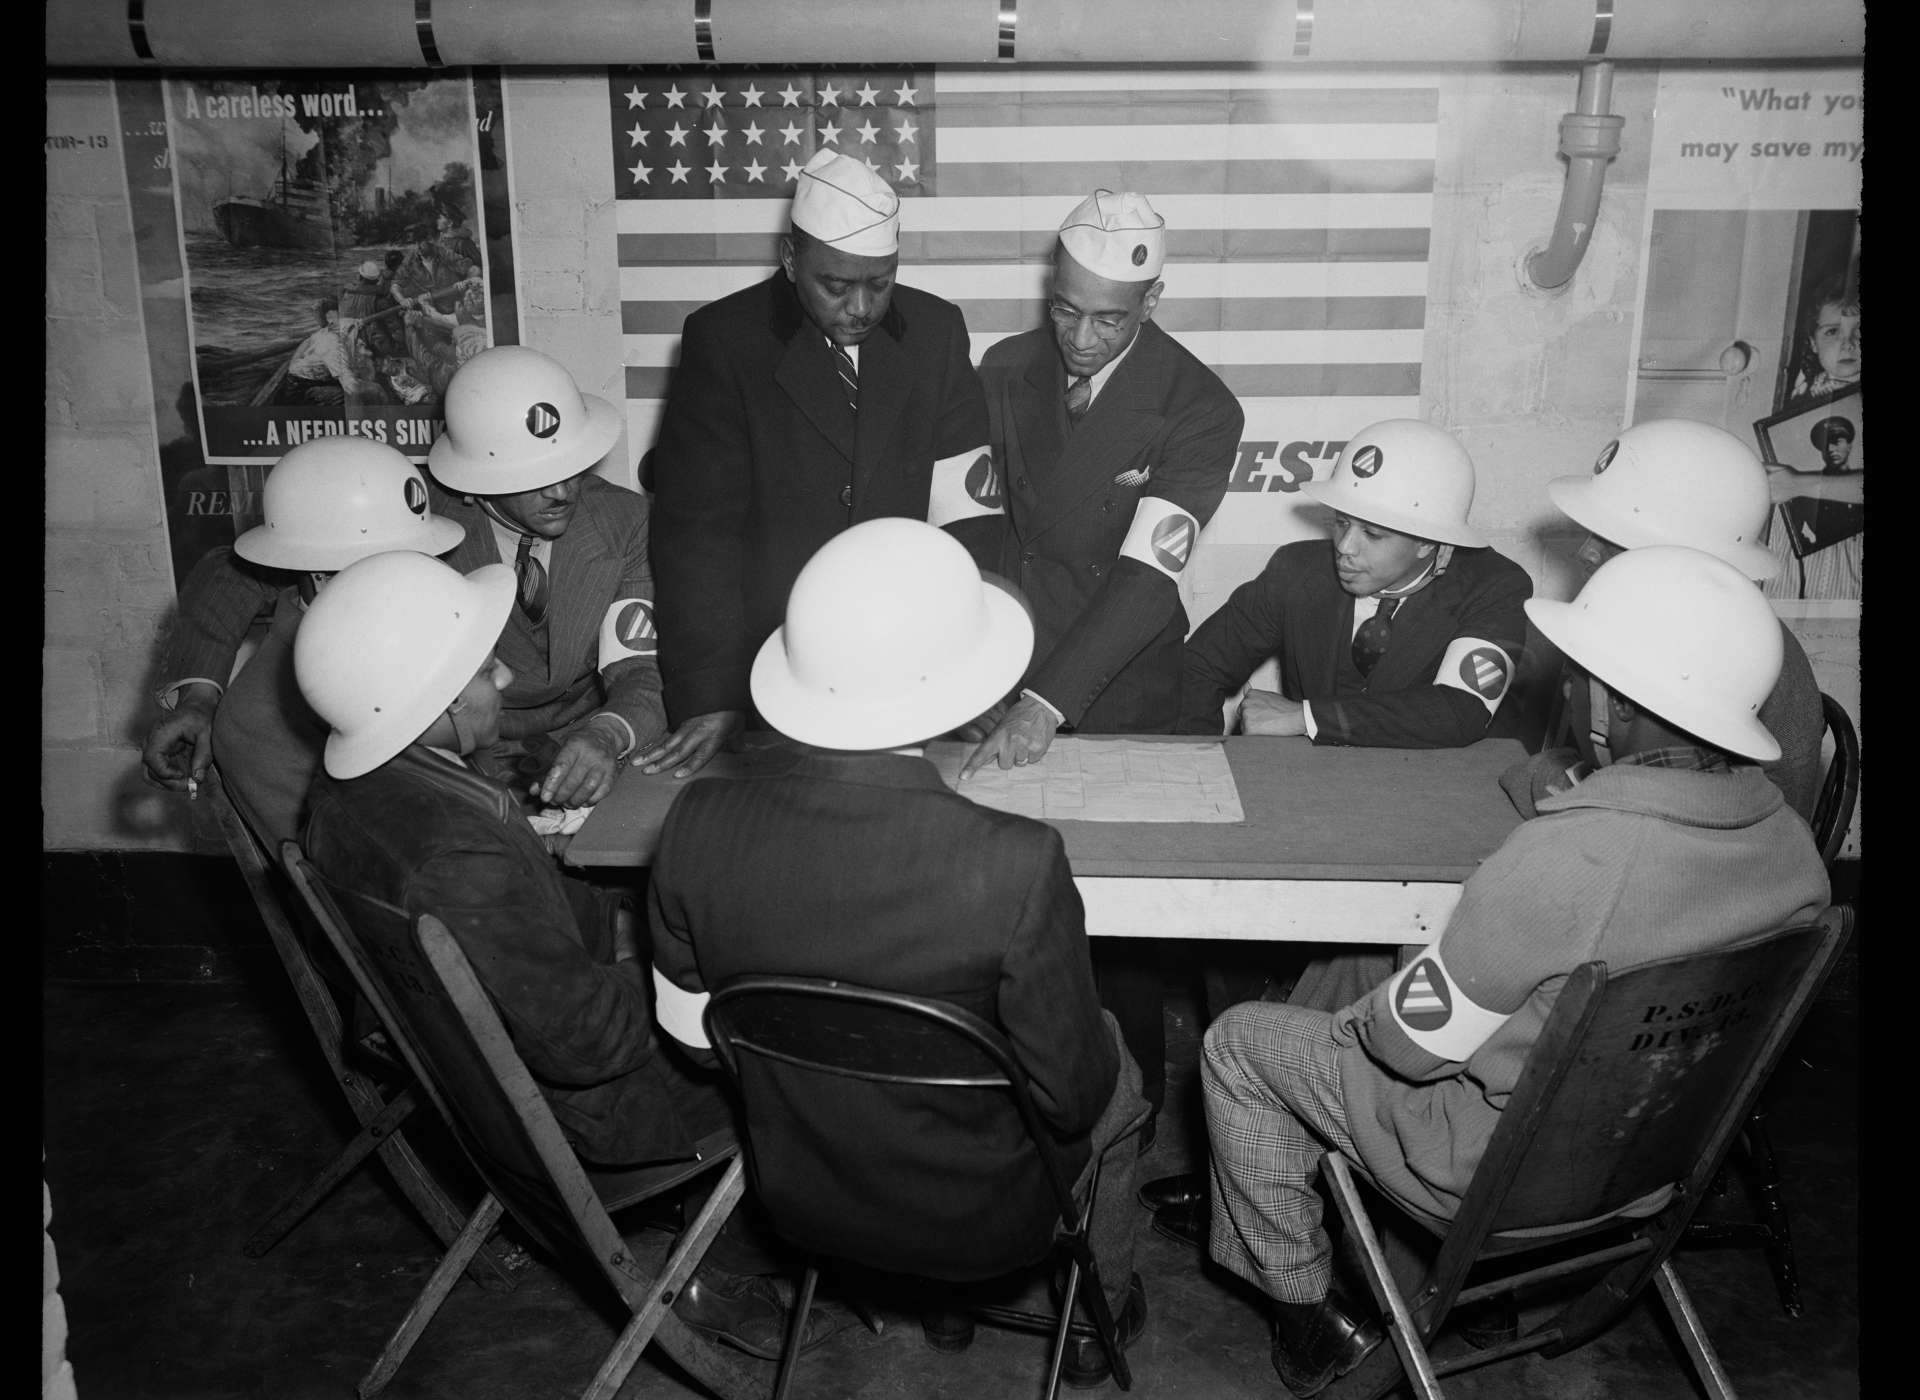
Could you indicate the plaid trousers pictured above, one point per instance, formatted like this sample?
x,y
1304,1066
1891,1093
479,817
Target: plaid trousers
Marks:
x,y
1271,1077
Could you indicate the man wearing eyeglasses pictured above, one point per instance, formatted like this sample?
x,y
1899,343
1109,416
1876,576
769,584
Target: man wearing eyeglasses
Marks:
x,y
1115,444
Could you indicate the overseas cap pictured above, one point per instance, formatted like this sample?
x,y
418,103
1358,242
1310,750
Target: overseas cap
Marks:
x,y
841,202
1116,236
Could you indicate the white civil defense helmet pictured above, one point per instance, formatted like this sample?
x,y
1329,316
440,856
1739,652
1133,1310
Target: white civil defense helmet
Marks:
x,y
333,500
1673,481
1405,475
1680,633
892,636
388,644
516,421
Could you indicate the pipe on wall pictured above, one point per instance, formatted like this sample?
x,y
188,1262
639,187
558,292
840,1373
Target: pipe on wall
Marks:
x,y
596,33
1589,138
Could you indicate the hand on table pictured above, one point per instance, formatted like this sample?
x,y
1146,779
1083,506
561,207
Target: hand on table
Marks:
x,y
1270,713
1022,735
694,743
179,748
584,769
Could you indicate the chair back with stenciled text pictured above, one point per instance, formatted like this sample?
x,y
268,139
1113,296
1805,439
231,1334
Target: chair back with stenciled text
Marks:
x,y
1636,1088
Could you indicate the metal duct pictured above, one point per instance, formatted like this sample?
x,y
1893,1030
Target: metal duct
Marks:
x,y
594,33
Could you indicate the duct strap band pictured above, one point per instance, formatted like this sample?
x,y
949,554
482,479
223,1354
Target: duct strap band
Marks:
x,y
137,28
1602,27
423,30
703,29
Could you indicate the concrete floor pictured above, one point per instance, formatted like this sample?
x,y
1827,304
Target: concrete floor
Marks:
x,y
177,1115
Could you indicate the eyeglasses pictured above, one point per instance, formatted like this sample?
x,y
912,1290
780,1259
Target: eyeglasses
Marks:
x,y
1107,327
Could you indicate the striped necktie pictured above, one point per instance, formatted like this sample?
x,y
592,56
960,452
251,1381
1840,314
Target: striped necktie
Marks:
x,y
533,582
849,376
1370,642
1079,395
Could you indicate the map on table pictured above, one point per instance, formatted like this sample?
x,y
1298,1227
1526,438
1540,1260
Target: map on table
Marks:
x,y
1105,780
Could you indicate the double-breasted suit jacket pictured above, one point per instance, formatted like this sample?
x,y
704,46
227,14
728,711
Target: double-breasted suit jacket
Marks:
x,y
1103,517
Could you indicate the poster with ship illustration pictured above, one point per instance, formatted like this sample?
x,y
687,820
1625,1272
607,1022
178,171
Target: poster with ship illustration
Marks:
x,y
337,264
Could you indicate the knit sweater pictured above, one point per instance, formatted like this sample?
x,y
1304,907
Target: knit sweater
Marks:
x,y
1633,865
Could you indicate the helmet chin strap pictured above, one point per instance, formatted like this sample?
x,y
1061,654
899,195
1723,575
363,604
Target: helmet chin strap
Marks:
x,y
1598,705
1443,556
465,738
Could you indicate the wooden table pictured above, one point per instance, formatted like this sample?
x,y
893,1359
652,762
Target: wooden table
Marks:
x,y
1339,845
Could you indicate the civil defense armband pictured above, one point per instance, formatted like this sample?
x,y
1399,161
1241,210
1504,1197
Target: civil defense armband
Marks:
x,y
1435,1013
1162,536
680,1012
1481,668
628,630
965,485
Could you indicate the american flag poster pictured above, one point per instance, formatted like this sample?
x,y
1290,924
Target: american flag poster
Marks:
x,y
1298,209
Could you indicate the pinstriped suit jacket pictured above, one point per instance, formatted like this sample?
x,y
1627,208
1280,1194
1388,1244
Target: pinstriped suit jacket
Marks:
x,y
602,560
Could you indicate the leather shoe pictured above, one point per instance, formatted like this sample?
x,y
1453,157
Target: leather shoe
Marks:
x,y
1489,1324
1188,1224
947,1329
744,1311
1315,1342
1180,1189
1085,1364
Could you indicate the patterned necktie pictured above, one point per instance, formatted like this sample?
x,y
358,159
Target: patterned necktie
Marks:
x,y
533,582
849,376
1079,395
1370,642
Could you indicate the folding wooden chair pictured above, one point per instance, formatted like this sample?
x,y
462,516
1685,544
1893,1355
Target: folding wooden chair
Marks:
x,y
1771,1230
825,1036
1629,1100
380,1106
446,1027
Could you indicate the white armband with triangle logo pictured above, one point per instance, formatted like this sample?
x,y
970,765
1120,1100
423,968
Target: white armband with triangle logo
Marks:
x,y
1162,536
1435,1013
965,485
628,630
681,1013
1479,667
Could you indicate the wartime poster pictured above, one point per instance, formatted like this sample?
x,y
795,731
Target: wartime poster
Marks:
x,y
1751,302
1299,210
318,255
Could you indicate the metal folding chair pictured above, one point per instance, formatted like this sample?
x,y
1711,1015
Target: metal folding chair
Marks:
x,y
376,1092
446,1028
1629,1101
822,1042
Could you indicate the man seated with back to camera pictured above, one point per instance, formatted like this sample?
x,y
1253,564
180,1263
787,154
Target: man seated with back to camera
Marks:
x,y
1674,842
859,863
1403,630
329,502
398,658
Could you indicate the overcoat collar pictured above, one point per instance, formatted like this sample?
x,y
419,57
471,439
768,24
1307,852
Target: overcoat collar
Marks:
x,y
808,375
